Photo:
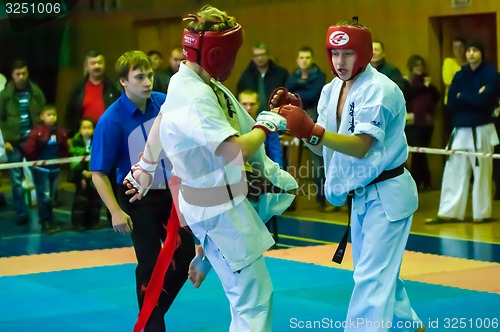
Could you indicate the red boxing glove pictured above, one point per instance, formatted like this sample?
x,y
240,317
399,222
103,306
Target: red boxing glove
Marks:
x,y
301,125
284,98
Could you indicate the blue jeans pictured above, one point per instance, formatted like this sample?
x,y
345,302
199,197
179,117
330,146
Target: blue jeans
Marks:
x,y
45,186
16,180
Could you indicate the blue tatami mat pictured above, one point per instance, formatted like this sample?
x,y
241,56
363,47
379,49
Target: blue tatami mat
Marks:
x,y
103,299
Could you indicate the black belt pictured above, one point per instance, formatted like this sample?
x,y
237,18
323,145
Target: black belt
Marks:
x,y
474,142
385,175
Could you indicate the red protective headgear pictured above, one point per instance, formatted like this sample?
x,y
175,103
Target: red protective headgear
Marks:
x,y
353,38
214,51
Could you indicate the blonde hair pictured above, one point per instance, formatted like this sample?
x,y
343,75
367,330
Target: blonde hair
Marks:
x,y
209,18
352,22
131,60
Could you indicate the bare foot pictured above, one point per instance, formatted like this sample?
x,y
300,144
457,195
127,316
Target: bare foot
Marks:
x,y
195,276
199,268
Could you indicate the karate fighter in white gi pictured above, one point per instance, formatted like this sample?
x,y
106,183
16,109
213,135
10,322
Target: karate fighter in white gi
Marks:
x,y
212,143
360,133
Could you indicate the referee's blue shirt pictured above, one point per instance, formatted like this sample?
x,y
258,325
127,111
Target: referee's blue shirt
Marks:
x,y
110,144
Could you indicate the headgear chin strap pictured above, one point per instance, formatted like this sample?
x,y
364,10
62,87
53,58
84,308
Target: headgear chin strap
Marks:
x,y
213,51
353,38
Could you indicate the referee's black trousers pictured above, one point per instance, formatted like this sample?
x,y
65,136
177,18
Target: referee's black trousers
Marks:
x,y
149,217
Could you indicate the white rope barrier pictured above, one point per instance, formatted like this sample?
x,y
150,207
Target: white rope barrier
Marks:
x,y
411,149
44,162
453,152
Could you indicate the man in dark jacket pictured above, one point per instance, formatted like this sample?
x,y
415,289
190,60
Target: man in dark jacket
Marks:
x,y
307,81
378,62
20,106
91,95
262,75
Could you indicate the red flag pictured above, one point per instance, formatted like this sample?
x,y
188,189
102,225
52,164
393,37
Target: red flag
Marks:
x,y
155,286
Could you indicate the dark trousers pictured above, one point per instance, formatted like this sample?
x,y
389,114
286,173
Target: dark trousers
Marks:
x,y
149,217
86,209
419,168
16,181
46,187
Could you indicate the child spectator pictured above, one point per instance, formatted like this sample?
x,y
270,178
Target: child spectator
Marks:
x,y
46,141
86,209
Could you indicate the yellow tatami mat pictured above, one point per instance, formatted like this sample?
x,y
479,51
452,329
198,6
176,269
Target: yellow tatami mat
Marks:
x,y
428,268
433,269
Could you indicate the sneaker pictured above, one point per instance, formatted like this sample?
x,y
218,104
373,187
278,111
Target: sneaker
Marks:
x,y
78,228
50,228
437,220
482,220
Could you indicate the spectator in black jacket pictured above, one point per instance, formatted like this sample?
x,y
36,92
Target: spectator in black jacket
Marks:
x,y
307,81
176,57
378,62
161,79
262,75
92,94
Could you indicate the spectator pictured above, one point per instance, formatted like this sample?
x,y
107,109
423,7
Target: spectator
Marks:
x,y
262,75
176,56
249,100
307,81
161,78
46,141
422,99
472,97
3,81
453,64
92,94
86,209
379,62
20,105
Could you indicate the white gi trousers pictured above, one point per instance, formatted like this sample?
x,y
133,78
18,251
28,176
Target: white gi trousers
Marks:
x,y
249,291
377,250
457,173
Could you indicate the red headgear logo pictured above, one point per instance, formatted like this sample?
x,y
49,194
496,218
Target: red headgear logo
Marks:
x,y
338,38
189,40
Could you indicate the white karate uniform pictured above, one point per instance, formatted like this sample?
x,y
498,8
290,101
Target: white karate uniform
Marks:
x,y
457,172
233,234
381,213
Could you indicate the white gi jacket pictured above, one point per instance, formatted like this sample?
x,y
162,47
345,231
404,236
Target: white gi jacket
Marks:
x,y
192,128
368,110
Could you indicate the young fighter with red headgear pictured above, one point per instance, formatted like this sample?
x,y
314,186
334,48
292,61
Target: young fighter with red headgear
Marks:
x,y
360,133
213,144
